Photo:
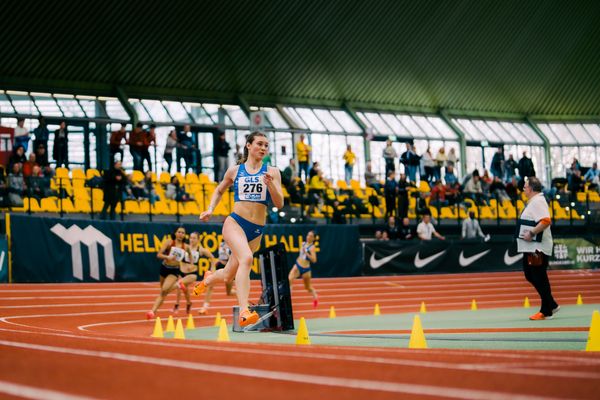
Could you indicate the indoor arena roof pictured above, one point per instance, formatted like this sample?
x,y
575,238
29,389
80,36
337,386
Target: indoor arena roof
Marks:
x,y
481,57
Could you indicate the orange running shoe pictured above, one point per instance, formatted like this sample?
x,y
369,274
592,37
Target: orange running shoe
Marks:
x,y
203,311
181,285
248,318
537,317
201,287
150,315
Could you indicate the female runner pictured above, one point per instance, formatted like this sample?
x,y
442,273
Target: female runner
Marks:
x,y
254,184
302,268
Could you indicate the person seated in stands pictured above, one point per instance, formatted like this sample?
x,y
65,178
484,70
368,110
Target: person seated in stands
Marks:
x,y
16,185
453,194
370,178
498,190
509,168
421,207
28,166
512,189
17,157
313,170
113,188
338,216
38,185
592,176
296,189
425,229
384,235
175,191
450,178
136,189
468,177
474,191
437,198
41,156
392,228
149,190
378,234
486,180
575,183
405,232
3,187
316,190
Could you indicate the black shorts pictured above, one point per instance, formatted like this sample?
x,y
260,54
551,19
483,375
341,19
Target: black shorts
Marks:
x,y
166,271
184,274
219,265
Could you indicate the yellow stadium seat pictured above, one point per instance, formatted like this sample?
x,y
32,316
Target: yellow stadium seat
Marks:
x,y
78,173
487,212
203,178
137,176
165,178
49,204
191,208
67,205
82,205
581,197
31,202
61,172
508,212
448,213
81,193
91,173
424,186
341,184
132,207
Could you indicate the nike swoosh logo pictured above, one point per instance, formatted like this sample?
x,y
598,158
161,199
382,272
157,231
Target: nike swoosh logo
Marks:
x,y
378,263
421,262
466,261
508,260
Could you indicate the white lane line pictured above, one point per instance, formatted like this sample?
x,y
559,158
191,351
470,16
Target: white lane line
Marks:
x,y
309,379
289,352
30,392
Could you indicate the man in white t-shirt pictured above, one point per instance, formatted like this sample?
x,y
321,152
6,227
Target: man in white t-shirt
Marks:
x,y
425,229
21,134
535,221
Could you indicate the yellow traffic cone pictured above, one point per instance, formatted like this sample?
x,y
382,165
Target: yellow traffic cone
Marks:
x,y
526,303
170,325
332,312
593,343
302,336
158,330
190,323
423,309
218,319
579,300
179,330
417,337
473,305
223,332
377,311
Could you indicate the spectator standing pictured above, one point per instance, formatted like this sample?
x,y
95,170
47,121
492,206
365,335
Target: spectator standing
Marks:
x,y
60,150
303,151
114,187
136,146
411,161
428,165
349,160
17,157
450,178
510,167
21,134
525,167
390,191
314,170
170,146
149,140
115,143
403,201
41,133
425,229
389,155
452,159
440,161
497,165
184,149
222,152
289,173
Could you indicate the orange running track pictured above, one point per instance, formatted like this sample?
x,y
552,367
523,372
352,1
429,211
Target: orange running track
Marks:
x,y
91,341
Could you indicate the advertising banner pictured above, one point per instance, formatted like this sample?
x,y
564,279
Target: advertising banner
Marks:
x,y
3,260
63,250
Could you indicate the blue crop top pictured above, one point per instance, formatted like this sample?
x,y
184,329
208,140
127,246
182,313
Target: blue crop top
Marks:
x,y
248,187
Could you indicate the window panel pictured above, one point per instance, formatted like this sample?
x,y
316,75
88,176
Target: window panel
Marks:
x,y
92,108
549,133
327,119
474,159
530,135
563,134
115,110
588,156
70,108
486,131
140,110
413,129
426,126
275,118
321,152
5,105
311,119
579,133
556,163
594,131
177,111
47,106
379,124
504,135
238,116
23,104
470,131
156,110
445,131
397,128
281,146
346,121
295,117
199,114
